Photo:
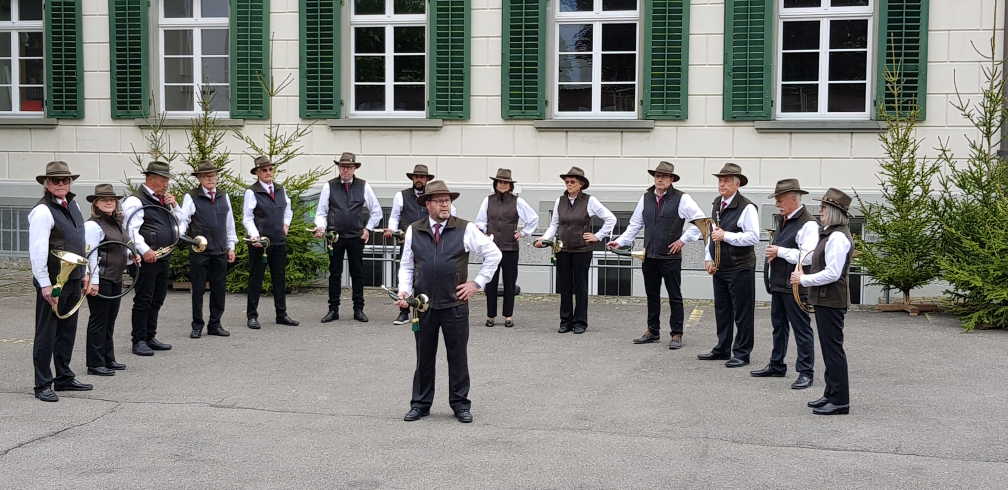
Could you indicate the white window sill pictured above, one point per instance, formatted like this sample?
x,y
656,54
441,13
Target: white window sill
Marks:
x,y
187,122
819,126
388,124
594,125
28,121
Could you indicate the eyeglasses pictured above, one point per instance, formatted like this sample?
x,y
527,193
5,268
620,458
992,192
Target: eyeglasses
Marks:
x,y
265,169
572,181
208,176
60,180
440,202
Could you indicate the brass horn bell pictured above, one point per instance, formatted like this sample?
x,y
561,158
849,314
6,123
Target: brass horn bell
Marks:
x,y
69,262
707,226
636,254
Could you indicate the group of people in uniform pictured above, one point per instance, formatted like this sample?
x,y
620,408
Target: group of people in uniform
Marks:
x,y
435,253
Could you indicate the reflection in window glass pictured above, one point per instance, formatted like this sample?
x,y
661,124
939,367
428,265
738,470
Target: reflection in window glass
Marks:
x,y
389,59
178,9
30,10
369,7
194,56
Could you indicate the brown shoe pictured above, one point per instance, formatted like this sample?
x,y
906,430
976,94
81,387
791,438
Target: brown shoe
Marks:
x,y
650,336
676,342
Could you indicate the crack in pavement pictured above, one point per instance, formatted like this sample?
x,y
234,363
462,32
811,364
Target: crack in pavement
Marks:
x,y
58,432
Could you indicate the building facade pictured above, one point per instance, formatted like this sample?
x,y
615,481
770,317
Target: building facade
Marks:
x,y
784,88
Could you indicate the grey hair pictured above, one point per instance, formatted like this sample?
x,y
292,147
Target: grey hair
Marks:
x,y
796,195
833,216
737,180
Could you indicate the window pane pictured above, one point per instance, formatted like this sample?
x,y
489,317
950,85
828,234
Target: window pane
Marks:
x,y
178,98
5,72
6,104
619,67
370,69
369,97
618,98
5,219
369,40
619,37
5,238
31,99
31,72
409,97
574,98
408,69
848,34
178,70
219,96
848,65
22,219
408,39
5,10
800,98
800,67
215,70
215,41
575,68
23,246
849,3
798,4
5,47
30,44
612,5
575,37
30,9
214,8
408,6
801,35
178,42
178,9
847,97
369,7
577,5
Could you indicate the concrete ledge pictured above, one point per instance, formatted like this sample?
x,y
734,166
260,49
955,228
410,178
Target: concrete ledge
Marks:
x,y
790,126
594,125
186,122
390,123
29,122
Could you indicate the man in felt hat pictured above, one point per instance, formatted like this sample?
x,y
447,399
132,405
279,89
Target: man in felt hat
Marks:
x,y
206,212
498,217
152,216
435,263
339,210
405,210
55,223
267,213
665,213
797,234
737,233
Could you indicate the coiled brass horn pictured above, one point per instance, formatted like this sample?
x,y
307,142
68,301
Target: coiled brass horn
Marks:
x,y
795,286
707,226
264,241
418,304
555,245
330,237
399,235
636,254
766,261
69,262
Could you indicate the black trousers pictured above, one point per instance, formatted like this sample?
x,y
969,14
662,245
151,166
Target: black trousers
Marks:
x,y
830,323
148,296
202,268
276,259
735,306
101,324
784,310
668,270
454,322
354,249
572,279
54,338
509,267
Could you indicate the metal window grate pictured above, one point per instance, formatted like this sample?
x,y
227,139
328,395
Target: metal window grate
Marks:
x,y
14,231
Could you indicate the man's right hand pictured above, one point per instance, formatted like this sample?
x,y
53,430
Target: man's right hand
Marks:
x,y
709,265
388,233
150,257
611,245
47,295
255,242
402,300
319,232
538,244
771,252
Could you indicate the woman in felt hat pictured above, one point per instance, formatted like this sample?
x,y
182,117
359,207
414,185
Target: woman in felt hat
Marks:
x,y
571,223
829,293
498,216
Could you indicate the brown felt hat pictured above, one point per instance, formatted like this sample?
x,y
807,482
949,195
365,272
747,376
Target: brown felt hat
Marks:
x,y
158,168
503,175
733,170
205,167
434,188
102,191
348,158
577,172
261,161
836,198
56,169
784,186
665,168
419,170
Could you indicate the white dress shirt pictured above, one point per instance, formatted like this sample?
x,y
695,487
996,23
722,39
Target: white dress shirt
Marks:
x,y
396,214
132,204
370,202
93,236
248,217
688,210
475,242
748,237
807,239
528,216
595,209
837,246
40,225
189,209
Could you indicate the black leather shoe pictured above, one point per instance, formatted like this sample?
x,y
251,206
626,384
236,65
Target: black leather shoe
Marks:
x,y
818,403
100,371
332,315
286,320
253,323
675,343
735,362
416,414
219,331
464,416
508,322
767,372
831,409
158,345
711,356
489,322
116,365
803,381
74,385
47,395
649,337
403,318
142,349
195,334
580,330
563,329
360,316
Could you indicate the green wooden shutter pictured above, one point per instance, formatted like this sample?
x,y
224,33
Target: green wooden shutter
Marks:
x,y
748,59
523,59
902,40
64,59
666,59
250,37
448,95
129,73
320,58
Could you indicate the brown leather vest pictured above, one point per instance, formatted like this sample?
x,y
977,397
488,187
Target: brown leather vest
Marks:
x,y
502,220
574,222
111,257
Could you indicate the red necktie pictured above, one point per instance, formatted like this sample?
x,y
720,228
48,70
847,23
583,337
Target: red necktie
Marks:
x,y
66,206
437,232
161,198
347,184
783,222
271,194
212,200
659,200
723,205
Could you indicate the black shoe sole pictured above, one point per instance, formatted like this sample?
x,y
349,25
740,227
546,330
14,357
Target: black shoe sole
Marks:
x,y
422,415
718,358
651,341
195,335
219,334
842,411
96,373
767,375
48,400
145,354
72,389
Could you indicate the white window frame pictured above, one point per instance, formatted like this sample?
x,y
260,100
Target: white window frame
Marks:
x,y
825,14
196,24
12,28
389,21
596,18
